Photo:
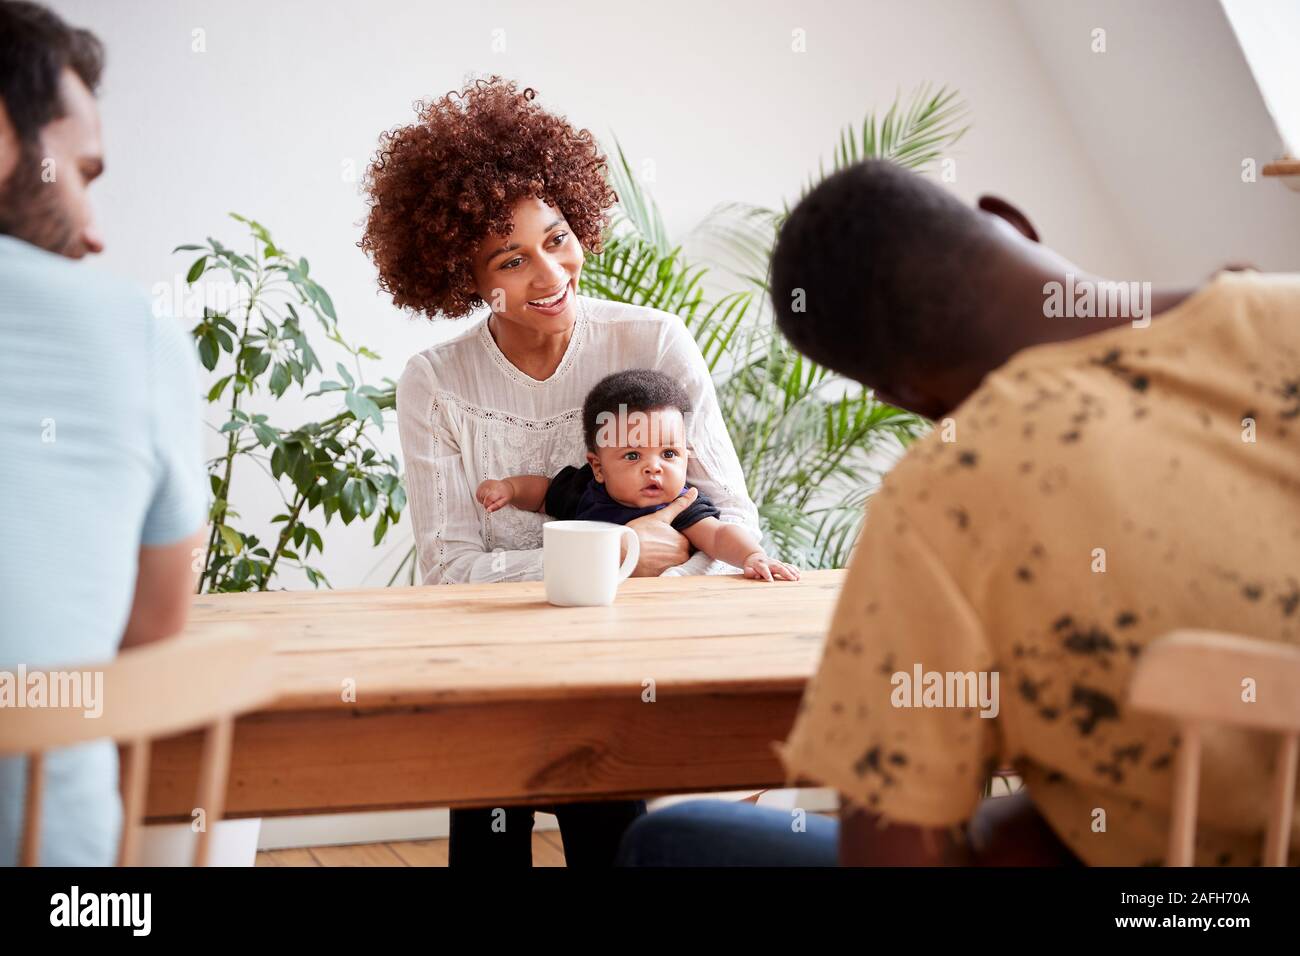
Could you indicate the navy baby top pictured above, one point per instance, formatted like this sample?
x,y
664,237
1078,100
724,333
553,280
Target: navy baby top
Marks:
x,y
576,494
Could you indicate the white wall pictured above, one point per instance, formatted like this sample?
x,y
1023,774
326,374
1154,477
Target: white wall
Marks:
x,y
287,93
1167,114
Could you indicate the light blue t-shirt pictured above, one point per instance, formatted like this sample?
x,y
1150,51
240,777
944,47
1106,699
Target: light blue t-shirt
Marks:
x,y
100,429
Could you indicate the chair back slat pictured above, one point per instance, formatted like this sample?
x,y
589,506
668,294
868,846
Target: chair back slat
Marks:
x,y
30,848
135,781
213,767
1277,842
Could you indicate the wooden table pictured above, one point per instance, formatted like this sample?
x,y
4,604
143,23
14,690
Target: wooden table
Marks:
x,y
486,695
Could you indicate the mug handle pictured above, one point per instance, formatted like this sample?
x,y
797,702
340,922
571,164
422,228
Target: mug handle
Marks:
x,y
633,554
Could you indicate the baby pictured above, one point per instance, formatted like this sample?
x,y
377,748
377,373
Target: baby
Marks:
x,y
634,423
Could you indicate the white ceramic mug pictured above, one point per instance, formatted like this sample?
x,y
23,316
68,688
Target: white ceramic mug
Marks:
x,y
580,561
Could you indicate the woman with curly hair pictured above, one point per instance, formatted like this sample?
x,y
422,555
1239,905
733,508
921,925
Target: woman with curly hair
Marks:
x,y
489,200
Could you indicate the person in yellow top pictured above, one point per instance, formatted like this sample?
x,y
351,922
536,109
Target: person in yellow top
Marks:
x,y
1108,463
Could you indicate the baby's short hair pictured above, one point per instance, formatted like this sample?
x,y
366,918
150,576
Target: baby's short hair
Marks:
x,y
635,390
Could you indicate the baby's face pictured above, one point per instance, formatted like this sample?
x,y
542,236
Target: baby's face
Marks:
x,y
642,461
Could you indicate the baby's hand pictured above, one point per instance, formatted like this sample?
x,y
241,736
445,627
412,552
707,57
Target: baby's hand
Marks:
x,y
494,495
759,565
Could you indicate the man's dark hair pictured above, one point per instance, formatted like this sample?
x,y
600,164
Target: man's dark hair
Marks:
x,y
35,48
636,390
877,274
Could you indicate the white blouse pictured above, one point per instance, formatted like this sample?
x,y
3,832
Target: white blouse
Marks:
x,y
464,414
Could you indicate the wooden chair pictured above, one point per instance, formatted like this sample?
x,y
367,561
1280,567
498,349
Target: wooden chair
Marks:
x,y
156,690
1195,677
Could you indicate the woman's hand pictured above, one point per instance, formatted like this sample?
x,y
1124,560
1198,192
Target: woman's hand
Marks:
x,y
662,546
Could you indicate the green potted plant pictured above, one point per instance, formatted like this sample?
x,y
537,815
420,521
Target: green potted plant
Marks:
x,y
332,466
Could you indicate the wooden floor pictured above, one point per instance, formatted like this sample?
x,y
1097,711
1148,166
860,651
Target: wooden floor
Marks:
x,y
547,851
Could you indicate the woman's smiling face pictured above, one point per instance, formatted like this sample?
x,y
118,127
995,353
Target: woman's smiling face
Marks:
x,y
531,275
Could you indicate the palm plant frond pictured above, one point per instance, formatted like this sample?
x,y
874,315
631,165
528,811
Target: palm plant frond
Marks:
x,y
637,210
743,235
914,135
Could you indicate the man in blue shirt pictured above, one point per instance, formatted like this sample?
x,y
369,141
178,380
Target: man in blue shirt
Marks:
x,y
103,495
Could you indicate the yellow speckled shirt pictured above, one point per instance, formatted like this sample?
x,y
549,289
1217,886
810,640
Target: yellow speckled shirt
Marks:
x,y
1093,496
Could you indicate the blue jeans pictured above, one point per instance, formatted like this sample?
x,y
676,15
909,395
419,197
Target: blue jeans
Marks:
x,y
721,833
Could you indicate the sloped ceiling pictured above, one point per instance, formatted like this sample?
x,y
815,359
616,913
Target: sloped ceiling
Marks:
x,y
1167,114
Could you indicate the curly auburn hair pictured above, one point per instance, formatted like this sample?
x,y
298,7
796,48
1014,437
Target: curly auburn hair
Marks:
x,y
438,187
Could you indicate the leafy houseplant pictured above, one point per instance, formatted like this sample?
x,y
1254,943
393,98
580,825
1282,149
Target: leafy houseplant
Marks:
x,y
333,465
811,443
